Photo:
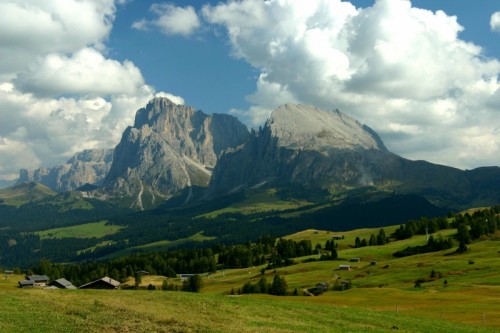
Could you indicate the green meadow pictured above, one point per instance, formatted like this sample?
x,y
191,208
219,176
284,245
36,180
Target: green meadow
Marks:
x,y
35,310
459,293
259,201
162,245
88,230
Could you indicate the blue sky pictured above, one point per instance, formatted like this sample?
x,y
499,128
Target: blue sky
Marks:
x,y
424,74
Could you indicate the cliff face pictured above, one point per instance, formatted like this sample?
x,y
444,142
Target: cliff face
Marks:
x,y
87,167
169,148
305,145
327,150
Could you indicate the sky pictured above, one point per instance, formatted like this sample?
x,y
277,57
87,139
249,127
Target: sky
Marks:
x,y
424,74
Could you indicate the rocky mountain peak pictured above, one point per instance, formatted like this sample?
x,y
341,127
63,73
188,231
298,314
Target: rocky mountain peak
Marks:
x,y
170,147
306,127
161,107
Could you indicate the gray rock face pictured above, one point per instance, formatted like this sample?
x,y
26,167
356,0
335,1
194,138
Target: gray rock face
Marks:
x,y
87,167
169,148
309,128
317,149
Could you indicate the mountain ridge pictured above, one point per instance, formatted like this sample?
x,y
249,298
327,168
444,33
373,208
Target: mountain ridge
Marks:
x,y
174,150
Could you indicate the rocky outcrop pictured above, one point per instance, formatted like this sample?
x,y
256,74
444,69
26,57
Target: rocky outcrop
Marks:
x,y
87,167
170,147
317,149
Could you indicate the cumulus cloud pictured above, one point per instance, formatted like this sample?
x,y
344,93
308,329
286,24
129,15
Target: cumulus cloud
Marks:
x,y
402,70
38,131
495,22
31,27
171,20
85,72
59,91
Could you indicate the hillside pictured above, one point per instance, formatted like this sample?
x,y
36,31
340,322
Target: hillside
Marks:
x,y
382,297
20,194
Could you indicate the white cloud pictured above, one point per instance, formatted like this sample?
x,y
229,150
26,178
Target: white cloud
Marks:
x,y
31,28
59,92
85,72
47,131
172,20
402,70
175,99
495,22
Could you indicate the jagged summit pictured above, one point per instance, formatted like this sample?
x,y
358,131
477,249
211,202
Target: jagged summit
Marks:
x,y
171,147
159,106
307,127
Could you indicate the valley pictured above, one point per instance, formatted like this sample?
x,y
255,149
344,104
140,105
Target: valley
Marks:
x,y
460,298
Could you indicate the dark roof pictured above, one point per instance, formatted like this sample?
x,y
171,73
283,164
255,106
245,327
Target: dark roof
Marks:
x,y
63,283
38,278
105,280
26,283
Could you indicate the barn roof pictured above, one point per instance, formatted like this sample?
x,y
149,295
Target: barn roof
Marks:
x,y
37,278
64,283
105,279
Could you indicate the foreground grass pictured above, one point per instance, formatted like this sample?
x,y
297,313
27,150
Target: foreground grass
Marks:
x,y
87,230
159,311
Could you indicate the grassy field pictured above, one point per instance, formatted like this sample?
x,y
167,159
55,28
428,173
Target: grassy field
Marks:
x,y
382,299
470,295
34,310
162,245
20,194
258,201
88,230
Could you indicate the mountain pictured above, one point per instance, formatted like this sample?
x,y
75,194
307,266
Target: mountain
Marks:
x,y
87,167
304,147
171,147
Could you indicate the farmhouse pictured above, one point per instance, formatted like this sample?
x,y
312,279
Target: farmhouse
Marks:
x,y
345,267
355,259
26,284
62,284
34,281
323,286
337,237
103,283
185,277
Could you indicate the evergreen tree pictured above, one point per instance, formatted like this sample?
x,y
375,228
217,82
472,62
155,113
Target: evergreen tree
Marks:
x,y
381,238
463,233
279,286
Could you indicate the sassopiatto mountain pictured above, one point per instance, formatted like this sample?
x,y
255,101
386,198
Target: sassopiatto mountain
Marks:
x,y
304,147
170,148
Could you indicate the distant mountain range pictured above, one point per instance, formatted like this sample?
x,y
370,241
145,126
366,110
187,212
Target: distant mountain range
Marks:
x,y
174,151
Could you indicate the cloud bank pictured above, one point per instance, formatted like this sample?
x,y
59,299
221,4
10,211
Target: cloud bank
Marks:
x,y
59,92
402,70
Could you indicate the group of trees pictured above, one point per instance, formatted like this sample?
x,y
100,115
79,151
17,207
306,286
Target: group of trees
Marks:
x,y
190,261
433,245
480,223
278,287
380,239
421,227
286,250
